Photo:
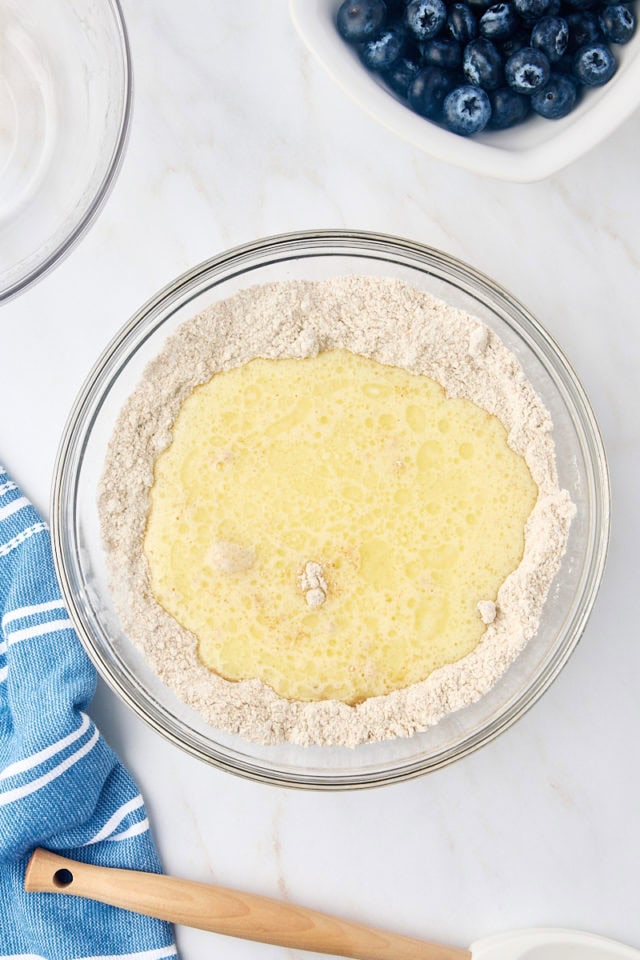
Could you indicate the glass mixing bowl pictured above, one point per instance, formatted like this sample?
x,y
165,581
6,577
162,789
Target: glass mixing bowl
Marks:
x,y
80,559
65,100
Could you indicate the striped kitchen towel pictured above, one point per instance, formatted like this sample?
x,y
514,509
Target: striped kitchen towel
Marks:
x,y
61,786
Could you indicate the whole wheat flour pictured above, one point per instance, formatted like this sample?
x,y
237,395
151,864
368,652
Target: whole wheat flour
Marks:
x,y
392,323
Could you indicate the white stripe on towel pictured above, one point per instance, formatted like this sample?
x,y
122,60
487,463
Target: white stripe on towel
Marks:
x,y
6,548
115,819
141,827
36,758
6,487
18,504
159,954
31,611
3,676
21,956
51,626
16,794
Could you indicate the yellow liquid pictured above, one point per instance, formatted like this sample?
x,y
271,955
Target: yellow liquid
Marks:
x,y
413,505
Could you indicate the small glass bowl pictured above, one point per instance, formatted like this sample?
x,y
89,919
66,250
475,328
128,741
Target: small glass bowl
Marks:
x,y
65,101
80,559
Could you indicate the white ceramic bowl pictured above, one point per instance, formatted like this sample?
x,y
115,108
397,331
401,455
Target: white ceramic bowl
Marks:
x,y
532,151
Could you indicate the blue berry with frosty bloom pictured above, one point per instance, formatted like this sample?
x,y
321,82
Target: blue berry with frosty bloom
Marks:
x,y
532,10
462,23
508,108
557,98
442,53
551,35
583,28
466,110
482,64
428,91
499,21
594,65
381,53
401,75
618,23
360,20
425,18
527,70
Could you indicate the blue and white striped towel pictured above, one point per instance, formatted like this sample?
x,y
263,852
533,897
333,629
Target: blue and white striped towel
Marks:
x,y
61,786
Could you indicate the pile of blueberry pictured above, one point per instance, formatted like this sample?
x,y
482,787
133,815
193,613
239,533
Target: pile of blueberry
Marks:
x,y
471,64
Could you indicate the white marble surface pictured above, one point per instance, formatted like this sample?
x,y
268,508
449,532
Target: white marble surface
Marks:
x,y
237,134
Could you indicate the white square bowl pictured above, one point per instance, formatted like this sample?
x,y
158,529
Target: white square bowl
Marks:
x,y
531,151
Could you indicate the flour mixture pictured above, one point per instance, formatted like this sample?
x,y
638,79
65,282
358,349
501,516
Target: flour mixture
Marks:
x,y
331,511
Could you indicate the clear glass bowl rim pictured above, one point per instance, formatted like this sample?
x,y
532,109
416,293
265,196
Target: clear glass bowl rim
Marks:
x,y
70,241
240,258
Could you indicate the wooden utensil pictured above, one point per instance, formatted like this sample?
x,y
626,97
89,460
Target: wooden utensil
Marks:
x,y
282,924
225,911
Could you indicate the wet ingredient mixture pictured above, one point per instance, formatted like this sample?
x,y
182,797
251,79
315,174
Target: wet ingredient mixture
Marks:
x,y
411,506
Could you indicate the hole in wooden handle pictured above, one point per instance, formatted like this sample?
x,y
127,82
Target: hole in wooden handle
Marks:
x,y
62,878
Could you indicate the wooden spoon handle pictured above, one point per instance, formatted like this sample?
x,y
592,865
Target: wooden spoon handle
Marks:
x,y
225,911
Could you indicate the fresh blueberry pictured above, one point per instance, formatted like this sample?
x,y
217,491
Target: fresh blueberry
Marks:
x,y
401,75
556,99
527,70
360,20
618,23
462,23
482,64
425,18
428,90
583,28
594,65
507,108
471,64
442,53
551,35
381,53
512,44
499,22
531,10
466,110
